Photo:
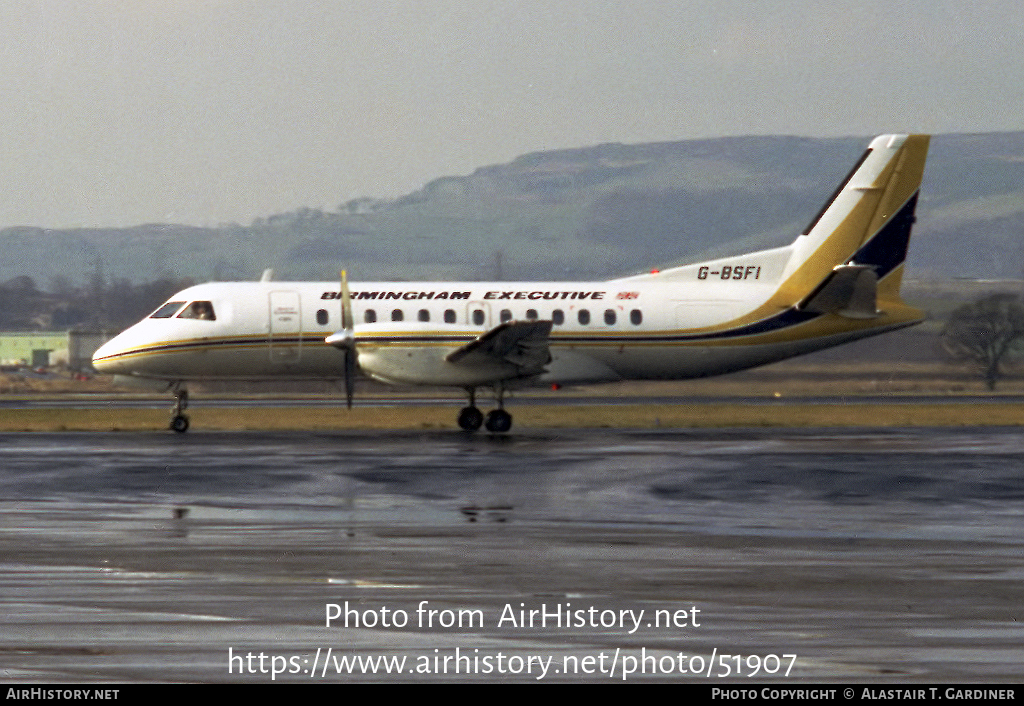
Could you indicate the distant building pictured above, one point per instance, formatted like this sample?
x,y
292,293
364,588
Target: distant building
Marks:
x,y
32,348
82,344
42,349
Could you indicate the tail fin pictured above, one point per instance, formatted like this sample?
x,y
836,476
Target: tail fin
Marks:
x,y
851,256
860,238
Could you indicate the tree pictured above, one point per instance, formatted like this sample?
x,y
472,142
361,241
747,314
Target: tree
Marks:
x,y
984,333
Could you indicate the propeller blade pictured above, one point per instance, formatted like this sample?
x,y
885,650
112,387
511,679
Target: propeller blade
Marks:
x,y
350,369
346,303
350,339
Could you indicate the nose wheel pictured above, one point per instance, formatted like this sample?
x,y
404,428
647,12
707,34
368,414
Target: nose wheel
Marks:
x,y
179,421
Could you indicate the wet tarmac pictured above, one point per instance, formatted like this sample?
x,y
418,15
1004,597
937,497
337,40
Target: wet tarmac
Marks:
x,y
599,555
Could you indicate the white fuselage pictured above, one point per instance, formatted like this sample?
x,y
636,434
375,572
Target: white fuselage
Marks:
x,y
836,282
602,331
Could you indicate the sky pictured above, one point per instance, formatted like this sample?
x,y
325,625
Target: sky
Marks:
x,y
122,112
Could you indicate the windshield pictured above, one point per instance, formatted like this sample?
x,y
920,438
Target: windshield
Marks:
x,y
167,310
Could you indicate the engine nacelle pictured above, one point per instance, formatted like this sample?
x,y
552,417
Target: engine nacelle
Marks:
x,y
414,353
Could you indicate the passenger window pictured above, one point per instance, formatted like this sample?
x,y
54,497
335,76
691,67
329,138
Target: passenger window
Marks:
x,y
557,317
167,310
478,317
370,316
635,317
322,317
424,315
584,317
531,315
397,315
449,316
198,310
506,315
609,317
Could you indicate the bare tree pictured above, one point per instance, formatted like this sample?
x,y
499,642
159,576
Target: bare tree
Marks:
x,y
984,333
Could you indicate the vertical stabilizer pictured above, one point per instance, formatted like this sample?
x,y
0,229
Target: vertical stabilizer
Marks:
x,y
867,222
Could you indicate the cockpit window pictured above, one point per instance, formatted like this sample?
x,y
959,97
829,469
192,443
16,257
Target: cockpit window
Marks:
x,y
198,310
166,311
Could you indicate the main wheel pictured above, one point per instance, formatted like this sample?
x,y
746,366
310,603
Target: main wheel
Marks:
x,y
498,421
470,418
179,423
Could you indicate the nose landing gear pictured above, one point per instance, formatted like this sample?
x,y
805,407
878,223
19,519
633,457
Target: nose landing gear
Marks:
x,y
179,421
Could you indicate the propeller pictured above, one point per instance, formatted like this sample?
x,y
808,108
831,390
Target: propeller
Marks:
x,y
345,338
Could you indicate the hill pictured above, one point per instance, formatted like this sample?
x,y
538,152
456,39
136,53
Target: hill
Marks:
x,y
585,213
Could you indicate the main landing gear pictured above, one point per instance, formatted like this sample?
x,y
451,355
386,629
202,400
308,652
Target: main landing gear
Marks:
x,y
179,422
497,421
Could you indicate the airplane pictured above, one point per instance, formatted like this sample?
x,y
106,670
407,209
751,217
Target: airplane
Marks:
x,y
838,281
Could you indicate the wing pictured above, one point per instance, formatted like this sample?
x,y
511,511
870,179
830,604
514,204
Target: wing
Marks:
x,y
522,343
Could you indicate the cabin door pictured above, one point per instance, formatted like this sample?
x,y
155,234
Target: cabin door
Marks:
x,y
285,327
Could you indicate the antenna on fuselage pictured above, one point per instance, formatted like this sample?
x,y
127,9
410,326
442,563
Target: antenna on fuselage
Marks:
x,y
268,275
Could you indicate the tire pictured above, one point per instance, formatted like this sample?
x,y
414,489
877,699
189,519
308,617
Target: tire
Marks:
x,y
498,421
470,418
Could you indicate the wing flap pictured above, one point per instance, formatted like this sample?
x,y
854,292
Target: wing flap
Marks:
x,y
521,343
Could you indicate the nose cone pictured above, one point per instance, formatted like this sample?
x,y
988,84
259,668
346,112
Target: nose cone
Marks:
x,y
110,357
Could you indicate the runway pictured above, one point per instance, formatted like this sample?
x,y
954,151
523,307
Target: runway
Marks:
x,y
598,555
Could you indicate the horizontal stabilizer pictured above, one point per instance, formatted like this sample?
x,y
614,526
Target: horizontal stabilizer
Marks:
x,y
850,291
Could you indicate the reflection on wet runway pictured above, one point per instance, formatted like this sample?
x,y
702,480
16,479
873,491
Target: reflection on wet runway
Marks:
x,y
869,555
